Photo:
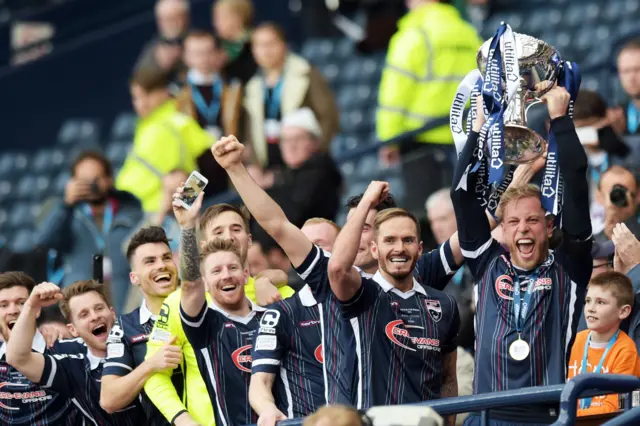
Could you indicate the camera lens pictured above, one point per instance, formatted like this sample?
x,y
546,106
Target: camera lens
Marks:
x,y
618,196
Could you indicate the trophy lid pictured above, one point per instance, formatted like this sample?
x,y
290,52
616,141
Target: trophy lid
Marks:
x,y
538,61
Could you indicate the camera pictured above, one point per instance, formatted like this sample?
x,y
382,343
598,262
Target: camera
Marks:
x,y
618,196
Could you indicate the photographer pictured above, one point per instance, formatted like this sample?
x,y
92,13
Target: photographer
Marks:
x,y
618,194
92,218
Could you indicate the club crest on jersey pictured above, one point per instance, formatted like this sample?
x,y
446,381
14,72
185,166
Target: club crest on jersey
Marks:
x,y
434,309
318,354
241,360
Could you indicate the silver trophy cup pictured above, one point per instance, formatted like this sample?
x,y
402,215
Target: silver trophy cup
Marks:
x,y
539,65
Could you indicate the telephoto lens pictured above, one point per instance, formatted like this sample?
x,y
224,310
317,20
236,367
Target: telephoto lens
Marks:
x,y
618,196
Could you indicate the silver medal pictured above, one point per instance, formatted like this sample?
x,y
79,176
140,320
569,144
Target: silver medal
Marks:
x,y
519,350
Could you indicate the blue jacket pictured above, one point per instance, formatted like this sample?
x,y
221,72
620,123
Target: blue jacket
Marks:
x,y
73,234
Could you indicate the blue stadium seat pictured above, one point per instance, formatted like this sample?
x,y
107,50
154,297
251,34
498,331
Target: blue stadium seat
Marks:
x,y
20,164
42,188
352,71
48,160
352,121
59,183
4,217
6,189
24,190
347,169
317,50
124,126
20,215
78,130
626,27
23,241
368,167
344,48
331,72
117,152
396,185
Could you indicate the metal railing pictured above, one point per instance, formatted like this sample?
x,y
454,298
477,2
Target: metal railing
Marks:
x,y
584,385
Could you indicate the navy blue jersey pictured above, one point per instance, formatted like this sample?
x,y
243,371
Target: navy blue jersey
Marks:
x,y
25,403
222,343
126,349
77,377
401,341
289,345
557,297
434,269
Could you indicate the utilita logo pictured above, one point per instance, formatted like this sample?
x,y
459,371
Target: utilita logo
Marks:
x,y
239,359
318,354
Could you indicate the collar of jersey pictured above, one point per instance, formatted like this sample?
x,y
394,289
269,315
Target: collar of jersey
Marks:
x,y
243,320
306,297
145,313
94,361
38,344
387,286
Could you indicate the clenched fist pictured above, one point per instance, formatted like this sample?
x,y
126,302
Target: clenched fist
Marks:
x,y
228,151
557,100
44,294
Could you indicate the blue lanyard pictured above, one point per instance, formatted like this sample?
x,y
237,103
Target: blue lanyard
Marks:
x,y
273,102
597,171
54,275
632,118
520,309
209,112
586,402
106,224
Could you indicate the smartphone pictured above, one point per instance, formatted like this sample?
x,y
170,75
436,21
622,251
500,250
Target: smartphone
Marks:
x,y
192,188
98,272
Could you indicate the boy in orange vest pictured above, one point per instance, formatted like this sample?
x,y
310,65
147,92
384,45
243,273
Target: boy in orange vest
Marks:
x,y
604,348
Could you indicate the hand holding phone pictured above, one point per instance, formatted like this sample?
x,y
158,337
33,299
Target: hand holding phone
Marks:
x,y
76,191
187,200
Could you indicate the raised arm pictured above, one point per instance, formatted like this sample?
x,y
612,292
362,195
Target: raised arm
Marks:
x,y
228,153
344,278
19,353
192,285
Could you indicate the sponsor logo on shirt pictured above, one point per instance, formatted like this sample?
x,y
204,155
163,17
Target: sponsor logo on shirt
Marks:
x,y
140,338
318,354
163,317
229,325
394,329
241,360
24,397
309,323
504,286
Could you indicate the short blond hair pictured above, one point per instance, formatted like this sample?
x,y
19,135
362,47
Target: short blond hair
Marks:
x,y
516,193
242,8
336,415
317,220
218,245
392,213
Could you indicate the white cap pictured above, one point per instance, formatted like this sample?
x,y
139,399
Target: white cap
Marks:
x,y
305,119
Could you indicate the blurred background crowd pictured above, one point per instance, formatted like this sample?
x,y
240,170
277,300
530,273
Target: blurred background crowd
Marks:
x,y
108,106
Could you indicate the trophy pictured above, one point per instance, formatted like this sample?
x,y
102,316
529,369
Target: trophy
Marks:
x,y
539,65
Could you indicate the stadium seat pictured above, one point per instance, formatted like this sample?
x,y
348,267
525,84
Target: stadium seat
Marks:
x,y
352,121
48,160
6,188
20,215
20,164
78,130
317,50
4,217
124,126
344,48
41,189
117,152
22,241
331,72
368,167
59,183
25,188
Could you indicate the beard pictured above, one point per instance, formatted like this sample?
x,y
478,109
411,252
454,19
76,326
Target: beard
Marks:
x,y
399,275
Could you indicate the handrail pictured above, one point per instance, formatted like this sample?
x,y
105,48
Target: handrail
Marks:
x,y
631,417
577,387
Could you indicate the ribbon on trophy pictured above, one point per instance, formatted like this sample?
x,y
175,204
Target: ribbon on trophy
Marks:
x,y
551,187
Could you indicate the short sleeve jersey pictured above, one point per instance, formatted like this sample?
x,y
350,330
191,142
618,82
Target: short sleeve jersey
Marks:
x,y
289,345
23,403
401,341
126,350
222,343
76,375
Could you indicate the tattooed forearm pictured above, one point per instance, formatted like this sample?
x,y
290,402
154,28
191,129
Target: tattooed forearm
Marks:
x,y
189,256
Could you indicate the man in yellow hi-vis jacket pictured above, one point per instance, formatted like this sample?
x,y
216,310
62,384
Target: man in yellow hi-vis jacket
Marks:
x,y
429,55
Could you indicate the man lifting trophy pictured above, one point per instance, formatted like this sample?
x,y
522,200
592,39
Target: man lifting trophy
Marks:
x,y
528,297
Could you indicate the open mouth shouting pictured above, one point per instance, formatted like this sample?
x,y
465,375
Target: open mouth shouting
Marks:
x,y
11,324
526,247
228,288
100,331
163,278
399,260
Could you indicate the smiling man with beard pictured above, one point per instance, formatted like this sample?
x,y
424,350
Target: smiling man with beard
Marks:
x,y
126,370
405,334
528,298
221,332
48,407
73,375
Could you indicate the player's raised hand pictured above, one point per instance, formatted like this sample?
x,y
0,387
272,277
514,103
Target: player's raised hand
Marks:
x,y
270,417
525,172
168,357
186,218
557,100
44,294
376,192
228,151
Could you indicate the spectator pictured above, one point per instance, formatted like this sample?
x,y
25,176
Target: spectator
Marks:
x,y
165,140
626,118
215,104
164,51
602,258
442,219
618,193
603,147
286,82
256,259
231,21
92,218
427,58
